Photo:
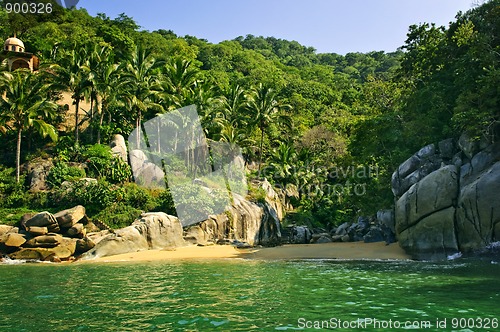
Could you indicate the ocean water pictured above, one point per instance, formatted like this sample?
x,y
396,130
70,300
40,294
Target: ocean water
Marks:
x,y
246,295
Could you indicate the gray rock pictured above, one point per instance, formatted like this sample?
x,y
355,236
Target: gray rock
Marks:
x,y
479,210
346,238
375,234
435,192
342,229
468,145
123,241
119,148
479,163
37,175
160,230
337,238
496,232
321,238
44,219
426,152
298,234
386,217
409,166
155,230
447,148
68,218
432,238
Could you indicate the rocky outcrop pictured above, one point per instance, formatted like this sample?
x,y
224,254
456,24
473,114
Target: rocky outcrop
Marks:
x,y
44,236
447,198
145,172
118,147
68,218
37,171
244,221
155,230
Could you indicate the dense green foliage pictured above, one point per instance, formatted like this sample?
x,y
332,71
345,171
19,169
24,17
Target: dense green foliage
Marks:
x,y
329,128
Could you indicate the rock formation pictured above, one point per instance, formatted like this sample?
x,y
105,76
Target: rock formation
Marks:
x,y
447,198
44,236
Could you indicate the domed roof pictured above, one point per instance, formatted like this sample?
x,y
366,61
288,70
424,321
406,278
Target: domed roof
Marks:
x,y
13,41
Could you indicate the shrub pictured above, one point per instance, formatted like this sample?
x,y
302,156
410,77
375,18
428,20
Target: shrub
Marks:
x,y
94,196
103,164
62,172
118,215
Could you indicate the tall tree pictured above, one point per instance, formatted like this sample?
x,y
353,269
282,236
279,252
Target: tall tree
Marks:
x,y
73,73
142,85
265,109
24,105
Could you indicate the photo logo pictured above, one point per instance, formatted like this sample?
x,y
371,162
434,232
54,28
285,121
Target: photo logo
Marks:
x,y
204,177
67,3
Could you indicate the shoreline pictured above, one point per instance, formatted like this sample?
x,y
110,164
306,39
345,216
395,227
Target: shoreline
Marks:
x,y
336,250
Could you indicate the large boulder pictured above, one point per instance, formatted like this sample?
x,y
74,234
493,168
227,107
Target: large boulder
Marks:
x,y
44,219
45,241
145,172
77,230
296,234
13,239
68,218
479,210
386,218
5,229
154,230
122,241
160,230
435,192
118,147
37,230
453,208
84,245
38,171
244,221
432,238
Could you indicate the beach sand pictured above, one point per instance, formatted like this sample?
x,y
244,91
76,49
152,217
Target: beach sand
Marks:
x,y
349,250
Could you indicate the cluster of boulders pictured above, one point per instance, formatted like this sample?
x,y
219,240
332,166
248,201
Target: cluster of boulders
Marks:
x,y
447,198
366,229
48,237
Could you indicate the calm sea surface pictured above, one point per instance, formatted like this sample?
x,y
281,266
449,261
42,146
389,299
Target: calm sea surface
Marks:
x,y
243,295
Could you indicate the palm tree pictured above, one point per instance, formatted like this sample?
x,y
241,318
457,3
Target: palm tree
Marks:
x,y
264,110
98,57
72,72
24,105
142,86
110,85
179,81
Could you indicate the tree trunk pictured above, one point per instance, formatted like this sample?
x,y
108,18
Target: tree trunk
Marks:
x,y
77,106
92,116
260,150
18,155
138,127
101,120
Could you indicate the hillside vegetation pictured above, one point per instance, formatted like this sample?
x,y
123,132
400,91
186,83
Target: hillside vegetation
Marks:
x,y
329,127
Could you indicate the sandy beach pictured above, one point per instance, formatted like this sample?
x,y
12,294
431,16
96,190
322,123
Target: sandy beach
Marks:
x,y
350,250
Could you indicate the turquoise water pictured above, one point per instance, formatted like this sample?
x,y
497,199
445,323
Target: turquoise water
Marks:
x,y
242,295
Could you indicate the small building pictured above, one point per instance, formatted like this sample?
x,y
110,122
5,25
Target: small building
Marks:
x,y
15,53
